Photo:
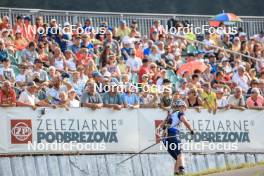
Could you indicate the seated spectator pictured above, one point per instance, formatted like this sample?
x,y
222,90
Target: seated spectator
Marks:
x,y
193,100
7,95
77,83
21,77
237,101
253,84
221,99
209,98
183,89
57,86
241,78
255,101
130,99
28,98
90,98
3,52
73,102
6,72
112,98
30,54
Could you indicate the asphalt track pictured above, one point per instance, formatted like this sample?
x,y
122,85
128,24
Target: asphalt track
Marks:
x,y
254,171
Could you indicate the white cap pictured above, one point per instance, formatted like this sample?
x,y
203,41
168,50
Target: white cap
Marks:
x,y
66,24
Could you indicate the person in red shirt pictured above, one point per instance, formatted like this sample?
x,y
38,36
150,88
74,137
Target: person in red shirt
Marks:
x,y
144,69
7,95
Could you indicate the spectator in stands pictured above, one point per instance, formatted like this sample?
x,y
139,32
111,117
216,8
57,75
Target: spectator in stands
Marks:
x,y
30,54
158,28
28,98
58,60
7,95
130,99
73,102
21,78
77,84
57,85
3,51
193,100
112,66
221,99
6,72
112,98
20,42
123,30
148,99
112,43
209,98
241,78
166,98
237,101
255,101
144,69
90,98
5,24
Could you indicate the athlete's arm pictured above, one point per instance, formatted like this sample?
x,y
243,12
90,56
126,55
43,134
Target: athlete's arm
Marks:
x,y
186,123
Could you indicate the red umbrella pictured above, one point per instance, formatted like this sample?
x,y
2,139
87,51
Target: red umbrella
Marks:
x,y
190,67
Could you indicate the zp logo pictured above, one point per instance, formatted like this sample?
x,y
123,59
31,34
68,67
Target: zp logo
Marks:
x,y
21,131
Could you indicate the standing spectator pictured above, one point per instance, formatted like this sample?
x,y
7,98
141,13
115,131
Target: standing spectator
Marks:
x,y
123,30
209,98
73,102
7,95
237,100
193,100
255,101
90,98
109,41
221,99
158,28
112,98
130,99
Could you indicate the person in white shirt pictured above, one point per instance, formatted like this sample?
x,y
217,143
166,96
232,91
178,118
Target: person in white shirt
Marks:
x,y
241,79
221,99
73,103
28,98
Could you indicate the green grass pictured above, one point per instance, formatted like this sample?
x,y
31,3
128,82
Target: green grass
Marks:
x,y
228,168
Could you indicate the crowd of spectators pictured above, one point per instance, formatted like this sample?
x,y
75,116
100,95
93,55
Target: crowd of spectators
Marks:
x,y
60,70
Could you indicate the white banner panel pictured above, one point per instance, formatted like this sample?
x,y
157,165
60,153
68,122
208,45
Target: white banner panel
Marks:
x,y
125,131
86,130
226,131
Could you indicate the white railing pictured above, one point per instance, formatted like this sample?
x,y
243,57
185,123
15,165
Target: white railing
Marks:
x,y
252,24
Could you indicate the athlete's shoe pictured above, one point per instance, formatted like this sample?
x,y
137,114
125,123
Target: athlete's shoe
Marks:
x,y
181,170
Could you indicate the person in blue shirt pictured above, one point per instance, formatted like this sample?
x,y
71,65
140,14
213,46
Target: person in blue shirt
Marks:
x,y
130,99
147,51
88,25
3,52
212,62
75,48
171,129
